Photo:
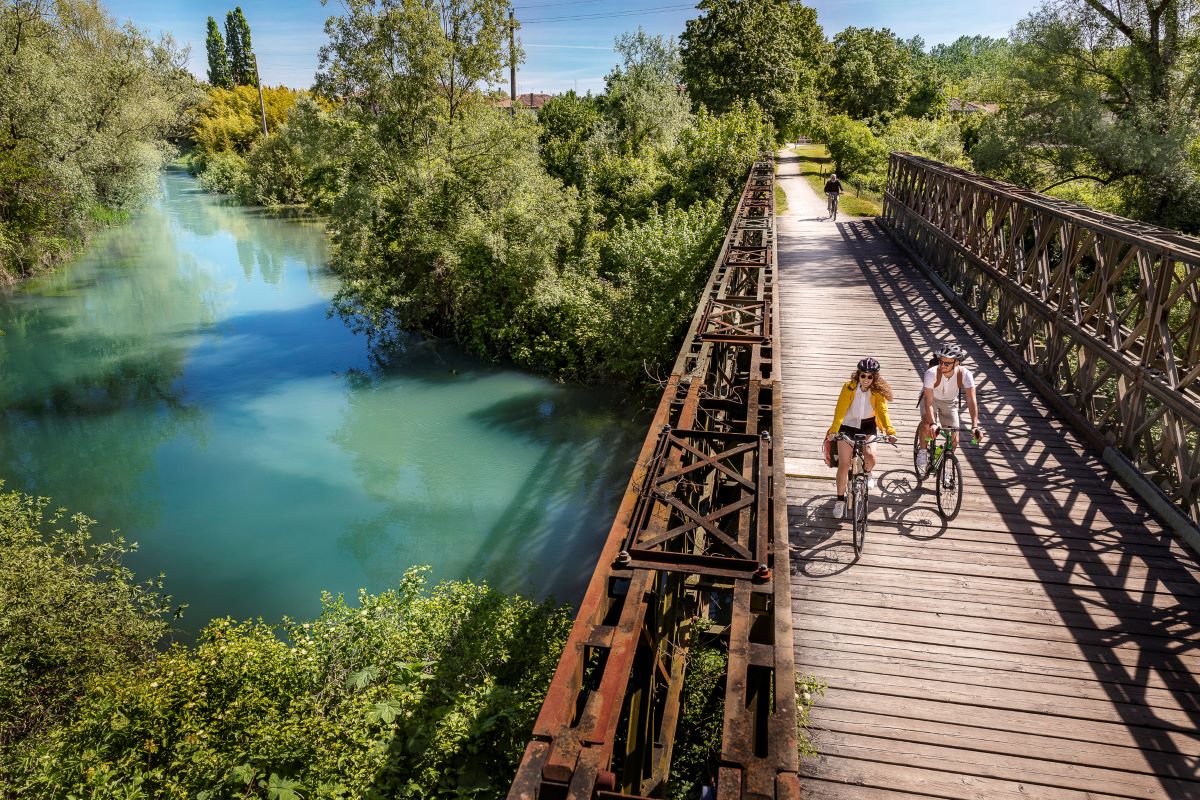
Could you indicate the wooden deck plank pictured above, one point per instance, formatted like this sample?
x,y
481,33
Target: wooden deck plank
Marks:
x,y
1044,643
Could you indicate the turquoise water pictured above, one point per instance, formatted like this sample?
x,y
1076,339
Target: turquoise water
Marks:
x,y
184,383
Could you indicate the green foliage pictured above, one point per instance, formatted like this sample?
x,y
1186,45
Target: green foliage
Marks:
x,y
697,754
230,120
855,149
771,53
411,693
938,138
224,173
973,67
714,155
243,68
218,62
872,74
1105,95
645,107
657,268
566,123
87,107
808,689
69,612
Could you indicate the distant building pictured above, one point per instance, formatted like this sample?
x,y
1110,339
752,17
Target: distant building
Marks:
x,y
956,106
528,100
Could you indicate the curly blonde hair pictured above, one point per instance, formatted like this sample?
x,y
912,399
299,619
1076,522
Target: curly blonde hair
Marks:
x,y
878,386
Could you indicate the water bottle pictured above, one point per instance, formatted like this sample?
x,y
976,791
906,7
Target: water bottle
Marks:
x,y
937,452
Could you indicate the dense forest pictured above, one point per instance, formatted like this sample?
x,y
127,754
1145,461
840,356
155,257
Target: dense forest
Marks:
x,y
572,242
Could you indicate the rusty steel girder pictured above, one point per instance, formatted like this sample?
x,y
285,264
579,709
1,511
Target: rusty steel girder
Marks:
x,y
700,539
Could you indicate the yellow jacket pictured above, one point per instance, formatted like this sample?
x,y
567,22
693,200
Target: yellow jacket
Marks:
x,y
878,402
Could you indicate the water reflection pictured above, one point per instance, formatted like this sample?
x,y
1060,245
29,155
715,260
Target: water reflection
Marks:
x,y
184,383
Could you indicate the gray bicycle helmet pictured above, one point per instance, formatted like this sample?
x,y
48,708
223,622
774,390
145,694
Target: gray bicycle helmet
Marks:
x,y
868,364
950,350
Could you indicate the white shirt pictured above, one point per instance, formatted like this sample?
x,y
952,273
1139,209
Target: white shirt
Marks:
x,y
860,409
948,388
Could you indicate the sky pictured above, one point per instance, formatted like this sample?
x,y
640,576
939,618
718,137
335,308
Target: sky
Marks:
x,y
568,43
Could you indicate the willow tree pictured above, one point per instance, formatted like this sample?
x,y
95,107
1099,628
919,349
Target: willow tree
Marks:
x,y
1105,94
86,105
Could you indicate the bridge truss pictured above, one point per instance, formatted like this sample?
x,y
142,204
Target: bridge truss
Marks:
x,y
699,544
1100,313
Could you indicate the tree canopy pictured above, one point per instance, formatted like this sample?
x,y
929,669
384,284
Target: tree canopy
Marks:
x,y
871,75
218,60
769,52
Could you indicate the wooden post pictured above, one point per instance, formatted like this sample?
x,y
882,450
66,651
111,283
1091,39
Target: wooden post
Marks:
x,y
261,105
512,63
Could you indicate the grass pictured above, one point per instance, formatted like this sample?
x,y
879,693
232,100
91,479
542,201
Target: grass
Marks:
x,y
815,165
781,205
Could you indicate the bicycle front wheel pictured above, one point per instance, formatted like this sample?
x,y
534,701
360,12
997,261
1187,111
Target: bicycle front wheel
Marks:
x,y
949,486
861,493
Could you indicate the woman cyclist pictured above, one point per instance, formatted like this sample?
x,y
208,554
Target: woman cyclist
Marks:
x,y
861,408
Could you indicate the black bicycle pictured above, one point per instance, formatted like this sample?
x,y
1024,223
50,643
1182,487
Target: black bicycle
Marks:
x,y
941,461
833,204
858,492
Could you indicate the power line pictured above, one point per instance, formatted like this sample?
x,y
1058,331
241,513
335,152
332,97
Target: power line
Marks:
x,y
524,6
606,15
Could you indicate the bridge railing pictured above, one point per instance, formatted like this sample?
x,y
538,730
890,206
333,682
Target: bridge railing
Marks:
x,y
699,544
1100,313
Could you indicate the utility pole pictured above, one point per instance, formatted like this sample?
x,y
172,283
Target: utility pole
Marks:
x,y
261,105
512,62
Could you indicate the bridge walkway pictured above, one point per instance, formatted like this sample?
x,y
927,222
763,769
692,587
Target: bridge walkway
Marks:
x,y
1044,643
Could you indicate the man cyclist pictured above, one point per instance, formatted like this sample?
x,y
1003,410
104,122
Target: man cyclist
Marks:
x,y
939,399
833,188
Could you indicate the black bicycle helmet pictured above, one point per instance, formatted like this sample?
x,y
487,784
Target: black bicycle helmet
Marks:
x,y
868,364
950,350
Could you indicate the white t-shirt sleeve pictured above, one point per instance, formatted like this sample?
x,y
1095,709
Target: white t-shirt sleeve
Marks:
x,y
930,377
968,379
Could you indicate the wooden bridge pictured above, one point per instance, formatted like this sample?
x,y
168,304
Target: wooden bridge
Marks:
x,y
1041,644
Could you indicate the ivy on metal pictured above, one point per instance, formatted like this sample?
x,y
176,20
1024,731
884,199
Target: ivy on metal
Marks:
x,y
699,543
1100,313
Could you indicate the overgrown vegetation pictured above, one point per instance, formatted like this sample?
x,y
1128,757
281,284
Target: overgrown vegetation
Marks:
x,y
573,243
414,692
87,106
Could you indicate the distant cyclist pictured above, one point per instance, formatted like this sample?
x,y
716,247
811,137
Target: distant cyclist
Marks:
x,y
833,188
862,407
939,399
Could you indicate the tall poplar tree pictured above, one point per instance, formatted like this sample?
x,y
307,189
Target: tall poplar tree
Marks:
x,y
218,60
233,45
241,54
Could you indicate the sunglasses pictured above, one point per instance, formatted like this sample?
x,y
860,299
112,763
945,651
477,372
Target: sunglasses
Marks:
x,y
946,363
862,376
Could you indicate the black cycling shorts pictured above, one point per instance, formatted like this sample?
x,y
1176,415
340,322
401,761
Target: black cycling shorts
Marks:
x,y
868,428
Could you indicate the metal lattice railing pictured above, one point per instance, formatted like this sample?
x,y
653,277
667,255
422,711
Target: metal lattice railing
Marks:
x,y
1101,313
700,541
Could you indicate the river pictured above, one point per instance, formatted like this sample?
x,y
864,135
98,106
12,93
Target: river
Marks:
x,y
183,382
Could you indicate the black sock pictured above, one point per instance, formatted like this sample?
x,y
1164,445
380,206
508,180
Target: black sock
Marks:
x,y
841,497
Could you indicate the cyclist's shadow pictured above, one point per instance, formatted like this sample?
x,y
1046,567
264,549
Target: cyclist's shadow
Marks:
x,y
900,504
823,546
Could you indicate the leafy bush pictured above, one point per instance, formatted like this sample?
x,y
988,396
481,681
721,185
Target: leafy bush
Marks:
x,y
413,693
854,147
223,173
69,611
657,268
230,120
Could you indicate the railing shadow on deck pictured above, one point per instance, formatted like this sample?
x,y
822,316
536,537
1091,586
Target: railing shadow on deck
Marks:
x,y
1069,543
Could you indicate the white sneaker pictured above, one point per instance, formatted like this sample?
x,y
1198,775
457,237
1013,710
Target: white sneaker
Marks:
x,y
839,509
922,459
871,482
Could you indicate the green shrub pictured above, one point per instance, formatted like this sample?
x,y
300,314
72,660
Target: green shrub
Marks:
x,y
69,611
224,173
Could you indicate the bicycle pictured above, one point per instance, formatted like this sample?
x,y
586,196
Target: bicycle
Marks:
x,y
943,462
832,205
858,492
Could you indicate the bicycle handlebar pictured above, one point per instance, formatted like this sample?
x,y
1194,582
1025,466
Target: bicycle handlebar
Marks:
x,y
845,437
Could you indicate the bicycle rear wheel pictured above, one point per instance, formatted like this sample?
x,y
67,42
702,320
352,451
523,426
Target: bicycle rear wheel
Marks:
x,y
861,493
918,447
949,486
